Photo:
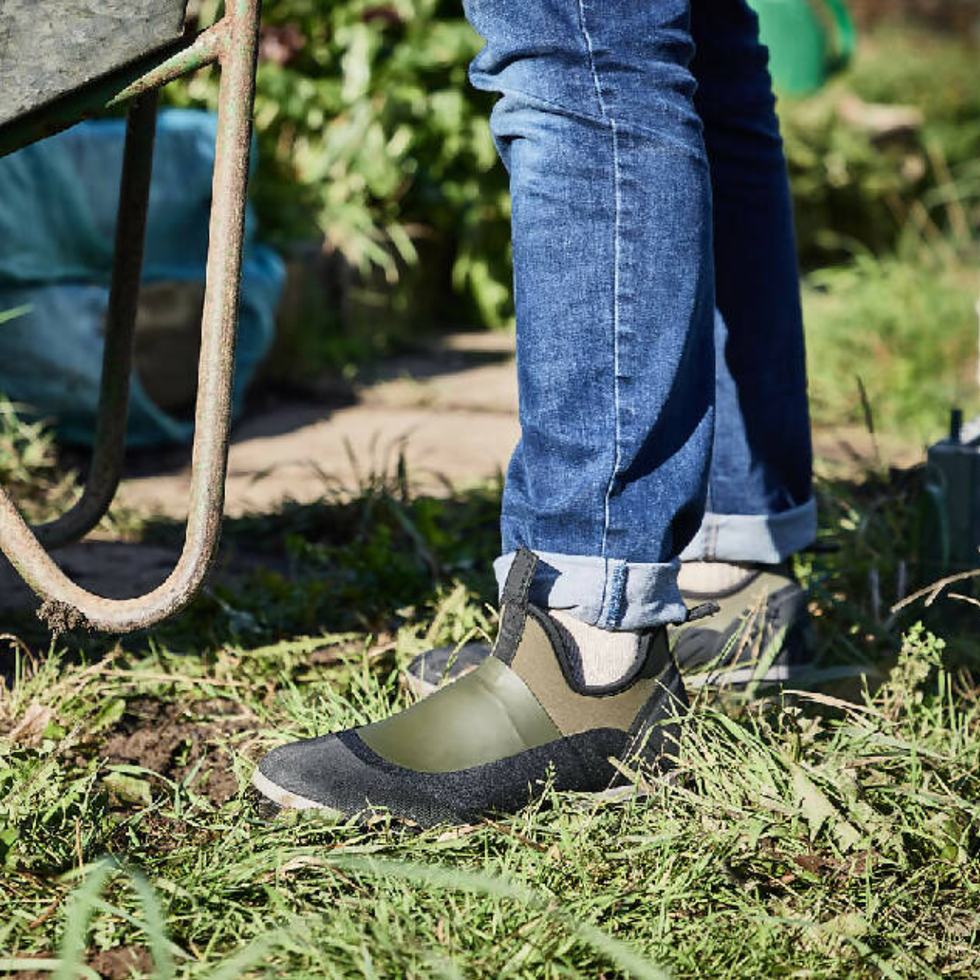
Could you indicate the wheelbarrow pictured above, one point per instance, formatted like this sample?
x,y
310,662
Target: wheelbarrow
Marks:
x,y
64,60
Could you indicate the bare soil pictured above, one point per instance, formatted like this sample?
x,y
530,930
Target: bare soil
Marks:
x,y
172,738
118,963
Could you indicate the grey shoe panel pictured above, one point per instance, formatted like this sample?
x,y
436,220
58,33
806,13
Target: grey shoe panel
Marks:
x,y
340,772
740,640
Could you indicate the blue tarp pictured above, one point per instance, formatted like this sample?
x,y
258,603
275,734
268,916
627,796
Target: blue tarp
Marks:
x,y
58,202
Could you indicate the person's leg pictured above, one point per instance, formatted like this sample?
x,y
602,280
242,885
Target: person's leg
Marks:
x,y
614,295
760,507
613,281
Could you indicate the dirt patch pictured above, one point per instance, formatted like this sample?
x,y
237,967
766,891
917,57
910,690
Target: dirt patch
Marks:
x,y
118,963
121,962
171,739
451,409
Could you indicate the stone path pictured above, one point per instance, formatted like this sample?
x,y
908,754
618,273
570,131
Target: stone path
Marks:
x,y
453,411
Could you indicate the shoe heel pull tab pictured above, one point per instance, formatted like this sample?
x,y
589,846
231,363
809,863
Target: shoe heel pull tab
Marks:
x,y
702,610
518,580
513,604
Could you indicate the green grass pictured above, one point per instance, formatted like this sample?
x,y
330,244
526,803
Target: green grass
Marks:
x,y
29,463
825,836
907,328
886,224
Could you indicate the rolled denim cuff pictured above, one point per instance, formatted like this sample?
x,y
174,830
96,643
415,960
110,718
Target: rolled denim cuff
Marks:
x,y
606,592
767,538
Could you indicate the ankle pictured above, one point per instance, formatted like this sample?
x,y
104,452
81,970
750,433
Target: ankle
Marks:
x,y
599,658
712,577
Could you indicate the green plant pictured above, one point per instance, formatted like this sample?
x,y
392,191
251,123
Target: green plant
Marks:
x,y
862,177
29,463
896,337
370,135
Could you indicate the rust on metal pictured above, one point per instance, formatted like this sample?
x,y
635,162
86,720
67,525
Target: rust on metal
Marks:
x,y
65,603
59,616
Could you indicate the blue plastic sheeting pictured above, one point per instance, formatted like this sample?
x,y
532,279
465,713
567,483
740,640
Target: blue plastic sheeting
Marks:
x,y
58,202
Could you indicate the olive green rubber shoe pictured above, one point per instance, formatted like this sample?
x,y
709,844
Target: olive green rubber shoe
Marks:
x,y
760,634
763,619
491,740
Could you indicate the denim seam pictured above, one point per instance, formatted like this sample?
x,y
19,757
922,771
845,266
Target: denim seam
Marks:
x,y
592,70
617,217
600,611
610,613
617,433
645,592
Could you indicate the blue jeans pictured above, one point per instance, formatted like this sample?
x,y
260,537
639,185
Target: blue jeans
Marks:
x,y
660,351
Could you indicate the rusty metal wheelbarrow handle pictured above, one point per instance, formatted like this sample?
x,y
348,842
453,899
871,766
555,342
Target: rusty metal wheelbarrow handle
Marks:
x,y
234,43
117,357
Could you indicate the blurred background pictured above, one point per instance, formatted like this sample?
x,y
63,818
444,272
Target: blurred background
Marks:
x,y
378,183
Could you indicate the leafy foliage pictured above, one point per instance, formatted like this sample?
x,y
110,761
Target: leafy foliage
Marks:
x,y
370,135
860,182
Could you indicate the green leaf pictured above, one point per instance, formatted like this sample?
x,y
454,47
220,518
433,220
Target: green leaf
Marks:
x,y
109,714
818,810
130,789
17,311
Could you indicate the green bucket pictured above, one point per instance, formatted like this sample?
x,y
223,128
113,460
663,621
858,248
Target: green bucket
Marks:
x,y
808,41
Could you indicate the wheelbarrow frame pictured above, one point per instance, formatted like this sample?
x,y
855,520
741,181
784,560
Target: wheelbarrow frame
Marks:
x,y
233,44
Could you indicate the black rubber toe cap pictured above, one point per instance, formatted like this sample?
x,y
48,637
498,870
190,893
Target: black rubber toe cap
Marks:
x,y
326,771
339,772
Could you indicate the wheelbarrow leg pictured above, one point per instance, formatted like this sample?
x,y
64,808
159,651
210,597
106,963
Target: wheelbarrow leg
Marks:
x,y
117,357
66,604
